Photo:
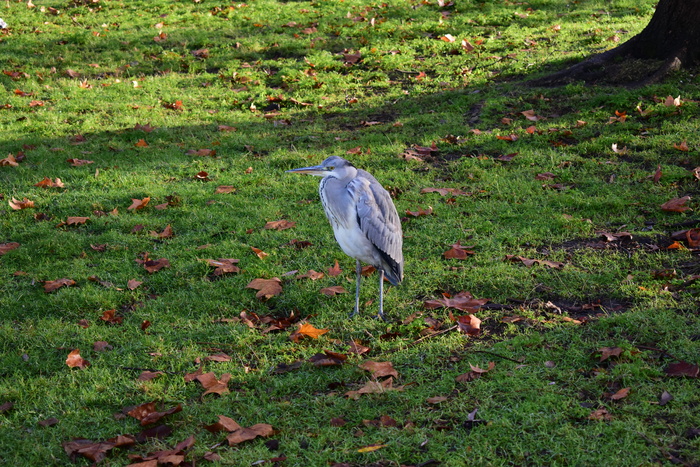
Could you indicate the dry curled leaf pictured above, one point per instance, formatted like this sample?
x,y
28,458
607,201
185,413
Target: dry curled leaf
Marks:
x,y
266,288
74,360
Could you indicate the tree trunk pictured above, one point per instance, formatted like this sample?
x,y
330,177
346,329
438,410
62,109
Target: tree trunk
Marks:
x,y
671,40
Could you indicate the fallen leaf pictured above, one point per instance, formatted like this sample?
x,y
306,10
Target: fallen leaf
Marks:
x,y
374,387
18,205
665,398
74,360
676,204
111,317
214,385
458,251
147,413
154,265
245,434
436,399
224,424
259,253
334,270
607,352
48,183
149,375
600,414
371,448
311,274
307,330
266,288
224,266
420,212
78,162
281,224
530,262
50,286
9,161
133,284
334,290
621,394
468,324
682,369
224,189
139,203
379,369
328,358
166,233
5,247
463,301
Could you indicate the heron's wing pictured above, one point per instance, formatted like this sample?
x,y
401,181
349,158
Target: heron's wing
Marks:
x,y
379,221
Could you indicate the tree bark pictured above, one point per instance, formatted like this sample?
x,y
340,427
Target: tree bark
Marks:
x,y
670,41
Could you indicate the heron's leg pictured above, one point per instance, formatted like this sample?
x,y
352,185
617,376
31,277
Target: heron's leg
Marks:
x,y
358,269
381,294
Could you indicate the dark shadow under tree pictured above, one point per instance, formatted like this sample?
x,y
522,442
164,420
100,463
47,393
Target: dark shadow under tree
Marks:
x,y
670,41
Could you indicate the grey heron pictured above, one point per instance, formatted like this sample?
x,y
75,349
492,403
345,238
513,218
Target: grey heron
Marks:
x,y
364,220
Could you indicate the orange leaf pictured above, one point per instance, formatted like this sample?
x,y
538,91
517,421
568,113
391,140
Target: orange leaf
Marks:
x,y
139,203
166,233
74,360
9,161
683,146
621,394
18,205
308,330
213,385
141,143
76,220
48,183
260,254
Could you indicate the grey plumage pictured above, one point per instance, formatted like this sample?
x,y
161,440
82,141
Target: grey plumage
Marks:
x,y
364,220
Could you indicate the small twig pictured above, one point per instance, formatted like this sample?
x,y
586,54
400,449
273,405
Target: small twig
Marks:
x,y
432,335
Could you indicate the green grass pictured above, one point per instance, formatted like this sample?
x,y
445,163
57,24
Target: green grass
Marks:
x,y
258,76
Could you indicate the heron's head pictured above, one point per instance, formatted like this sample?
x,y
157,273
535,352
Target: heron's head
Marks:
x,y
333,166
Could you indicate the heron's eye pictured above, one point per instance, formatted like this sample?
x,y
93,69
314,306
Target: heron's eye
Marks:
x,y
332,167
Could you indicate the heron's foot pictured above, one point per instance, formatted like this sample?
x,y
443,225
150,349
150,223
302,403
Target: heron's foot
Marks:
x,y
353,314
380,316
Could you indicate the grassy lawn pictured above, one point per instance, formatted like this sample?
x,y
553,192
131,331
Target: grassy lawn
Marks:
x,y
170,125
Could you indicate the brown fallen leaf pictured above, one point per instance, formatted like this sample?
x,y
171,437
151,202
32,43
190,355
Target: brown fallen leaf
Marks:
x,y
154,265
224,189
18,205
76,220
607,352
224,424
682,146
166,233
468,324
5,247
600,414
374,387
139,203
328,358
281,224
266,288
334,290
436,399
335,270
259,253
461,301
50,286
74,360
682,369
147,413
621,394
149,375
78,162
676,204
530,262
141,143
133,284
214,385
245,434
224,266
48,183
9,161
311,274
111,317
379,369
458,251
420,212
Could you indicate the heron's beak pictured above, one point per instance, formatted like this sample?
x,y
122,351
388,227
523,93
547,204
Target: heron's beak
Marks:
x,y
315,170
